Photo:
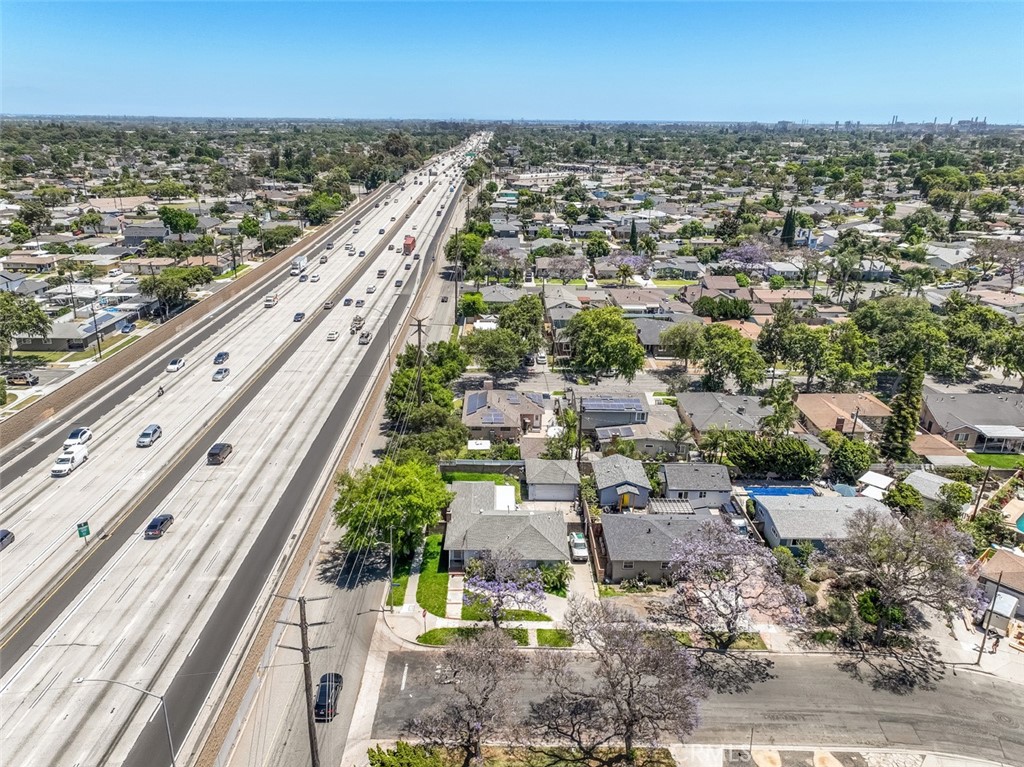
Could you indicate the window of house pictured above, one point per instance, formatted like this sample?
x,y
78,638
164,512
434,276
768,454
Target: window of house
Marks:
x,y
960,436
685,495
702,494
665,565
627,565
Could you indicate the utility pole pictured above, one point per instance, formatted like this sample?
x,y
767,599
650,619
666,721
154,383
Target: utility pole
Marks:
x,y
419,359
977,502
307,674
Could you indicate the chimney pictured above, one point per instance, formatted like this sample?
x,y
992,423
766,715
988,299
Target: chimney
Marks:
x,y
840,424
488,384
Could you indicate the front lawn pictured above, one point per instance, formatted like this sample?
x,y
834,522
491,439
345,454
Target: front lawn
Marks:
x,y
554,638
746,641
998,460
38,359
432,591
476,612
443,636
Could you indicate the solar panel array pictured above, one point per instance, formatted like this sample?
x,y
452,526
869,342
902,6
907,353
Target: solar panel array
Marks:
x,y
475,401
493,417
513,398
612,404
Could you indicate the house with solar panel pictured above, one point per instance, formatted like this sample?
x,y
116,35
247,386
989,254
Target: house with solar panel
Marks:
x,y
599,411
501,415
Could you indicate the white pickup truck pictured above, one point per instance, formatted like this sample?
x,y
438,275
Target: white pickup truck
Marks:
x,y
72,457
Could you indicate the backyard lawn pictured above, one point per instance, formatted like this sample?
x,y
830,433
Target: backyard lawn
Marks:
x,y
498,479
432,591
998,460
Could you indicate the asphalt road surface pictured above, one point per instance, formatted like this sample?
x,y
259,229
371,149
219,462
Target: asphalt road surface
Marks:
x,y
809,703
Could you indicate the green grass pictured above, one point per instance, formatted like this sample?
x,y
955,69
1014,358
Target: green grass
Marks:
x,y
27,402
443,636
11,399
38,359
554,638
401,582
432,591
558,393
475,612
498,479
997,460
455,334
746,641
229,275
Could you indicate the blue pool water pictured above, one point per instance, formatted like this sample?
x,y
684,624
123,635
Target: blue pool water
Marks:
x,y
1020,523
756,490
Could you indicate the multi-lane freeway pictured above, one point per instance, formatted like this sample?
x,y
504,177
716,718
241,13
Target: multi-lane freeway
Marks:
x,y
163,614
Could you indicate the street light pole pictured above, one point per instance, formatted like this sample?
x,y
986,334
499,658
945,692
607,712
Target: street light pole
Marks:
x,y
163,707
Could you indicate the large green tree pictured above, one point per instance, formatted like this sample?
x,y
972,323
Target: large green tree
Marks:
x,y
603,343
781,398
178,220
389,502
499,352
901,427
20,315
523,317
684,341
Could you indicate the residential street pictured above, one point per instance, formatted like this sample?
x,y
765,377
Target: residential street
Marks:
x,y
810,703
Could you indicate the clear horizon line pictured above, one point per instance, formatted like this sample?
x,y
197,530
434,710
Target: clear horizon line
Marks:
x,y
608,121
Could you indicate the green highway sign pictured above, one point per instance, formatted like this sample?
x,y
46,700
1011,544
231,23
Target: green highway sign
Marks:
x,y
83,529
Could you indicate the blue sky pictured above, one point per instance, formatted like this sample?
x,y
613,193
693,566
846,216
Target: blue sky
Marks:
x,y
755,60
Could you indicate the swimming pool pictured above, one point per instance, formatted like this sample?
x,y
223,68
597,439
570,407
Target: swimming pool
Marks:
x,y
1020,523
756,490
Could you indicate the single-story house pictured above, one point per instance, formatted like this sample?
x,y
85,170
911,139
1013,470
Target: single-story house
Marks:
x,y
734,412
939,451
551,480
641,544
483,517
704,485
136,235
799,298
501,294
783,269
497,414
621,483
985,423
858,415
789,520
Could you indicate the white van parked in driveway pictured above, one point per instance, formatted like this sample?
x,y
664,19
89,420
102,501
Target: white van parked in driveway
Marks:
x,y
72,457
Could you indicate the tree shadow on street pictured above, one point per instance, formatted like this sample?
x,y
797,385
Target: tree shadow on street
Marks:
x,y
728,673
900,671
351,569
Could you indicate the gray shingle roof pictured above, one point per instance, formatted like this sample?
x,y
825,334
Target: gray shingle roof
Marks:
x,y
532,535
808,517
707,409
953,410
616,470
645,537
696,476
543,472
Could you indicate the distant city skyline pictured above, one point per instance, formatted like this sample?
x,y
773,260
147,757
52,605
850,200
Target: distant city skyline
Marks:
x,y
556,61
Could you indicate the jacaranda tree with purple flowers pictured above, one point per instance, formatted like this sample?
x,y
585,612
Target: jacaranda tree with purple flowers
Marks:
x,y
497,583
724,583
750,256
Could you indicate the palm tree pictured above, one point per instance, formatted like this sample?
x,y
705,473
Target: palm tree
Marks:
x,y
713,443
648,246
624,272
